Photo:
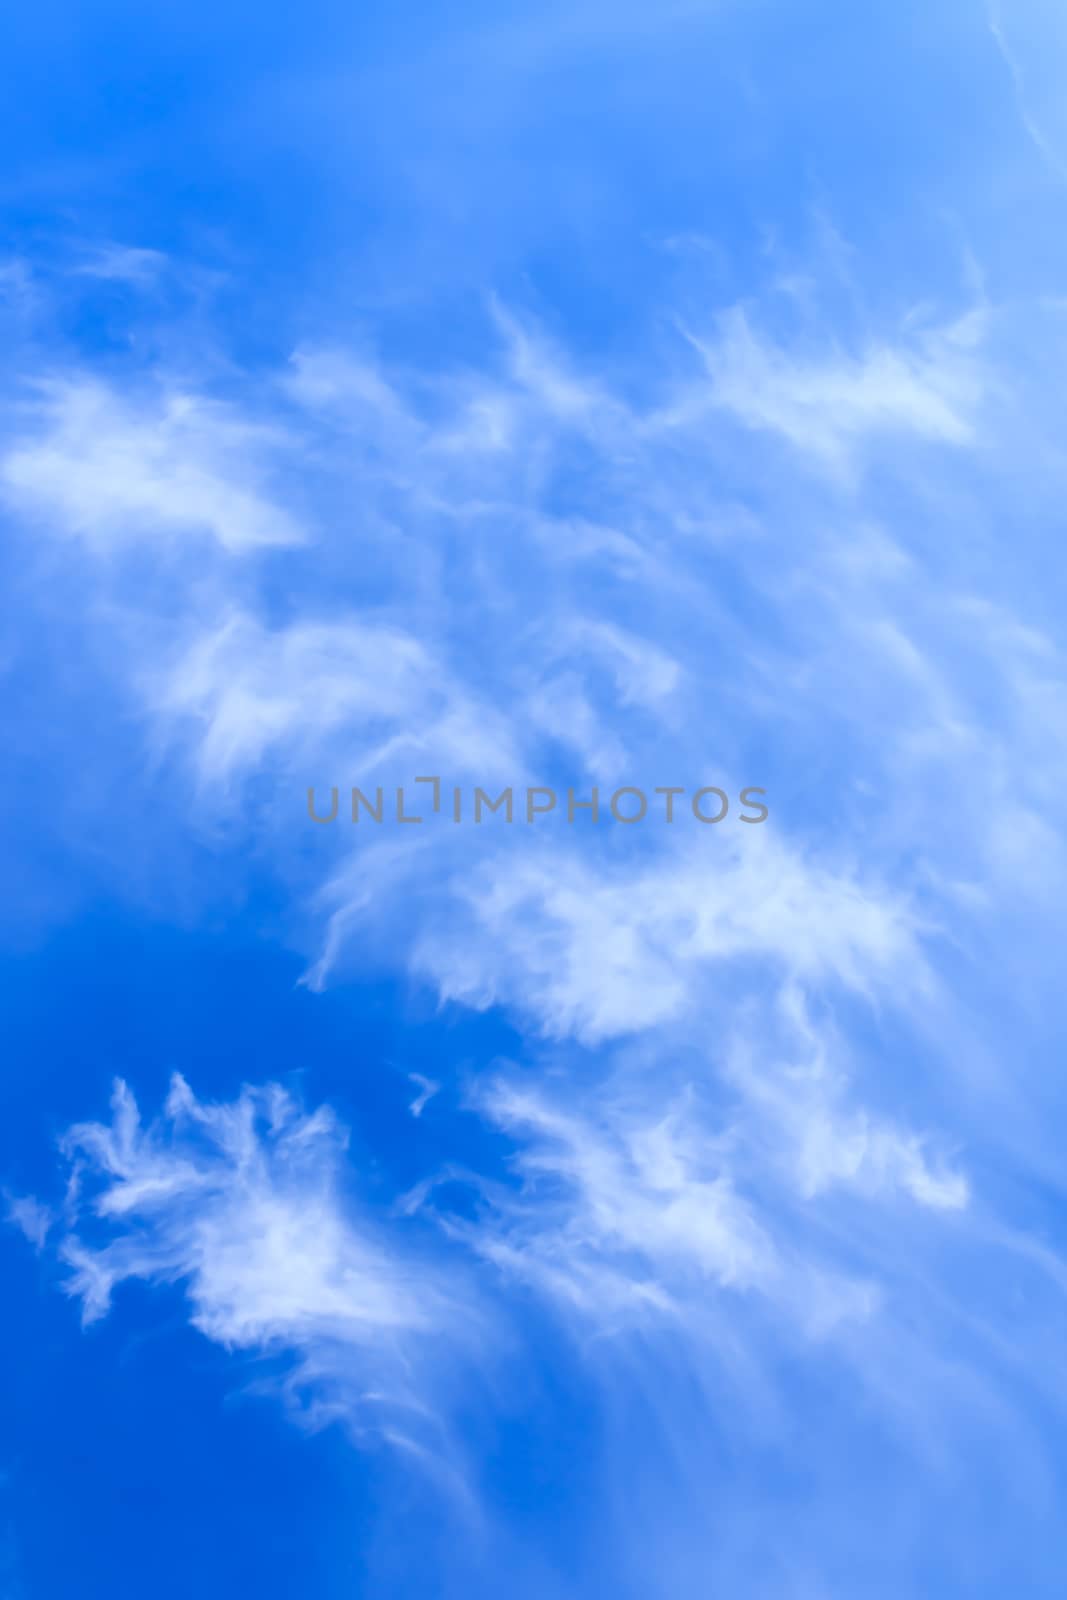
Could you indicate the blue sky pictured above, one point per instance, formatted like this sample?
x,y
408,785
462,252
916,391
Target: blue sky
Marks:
x,y
566,397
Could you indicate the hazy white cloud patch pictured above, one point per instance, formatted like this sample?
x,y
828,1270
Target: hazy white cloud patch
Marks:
x,y
325,701
631,1212
1034,130
643,674
594,953
33,1220
115,263
245,691
829,402
108,467
800,1115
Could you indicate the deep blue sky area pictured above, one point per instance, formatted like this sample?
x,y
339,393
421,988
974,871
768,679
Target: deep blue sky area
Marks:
x,y
110,1423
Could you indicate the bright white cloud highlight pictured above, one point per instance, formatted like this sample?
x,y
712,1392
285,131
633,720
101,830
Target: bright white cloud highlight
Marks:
x,y
109,468
248,1207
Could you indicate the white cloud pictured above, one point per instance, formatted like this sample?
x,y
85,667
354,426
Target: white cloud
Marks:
x,y
244,691
642,672
108,468
33,1220
799,1118
827,402
325,704
628,1211
1035,133
594,953
123,264
245,1205
354,392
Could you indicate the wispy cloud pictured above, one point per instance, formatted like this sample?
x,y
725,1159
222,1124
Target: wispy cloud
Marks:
x,y
594,953
828,403
1036,135
245,1205
110,468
